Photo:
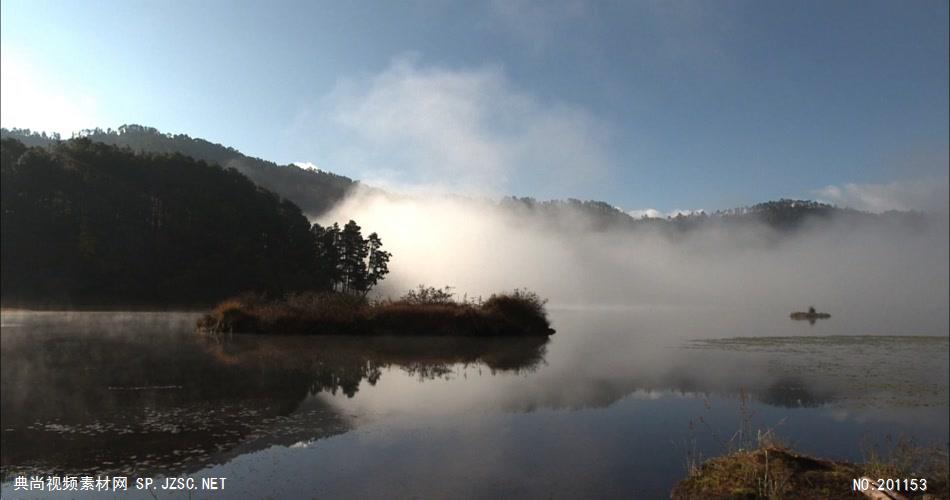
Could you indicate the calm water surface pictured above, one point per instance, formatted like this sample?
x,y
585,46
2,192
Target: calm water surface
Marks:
x,y
610,406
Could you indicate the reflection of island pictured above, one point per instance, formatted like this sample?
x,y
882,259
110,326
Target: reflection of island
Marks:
x,y
147,401
341,363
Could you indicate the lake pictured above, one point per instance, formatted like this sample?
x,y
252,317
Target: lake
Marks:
x,y
615,404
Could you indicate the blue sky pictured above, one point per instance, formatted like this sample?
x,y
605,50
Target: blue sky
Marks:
x,y
663,105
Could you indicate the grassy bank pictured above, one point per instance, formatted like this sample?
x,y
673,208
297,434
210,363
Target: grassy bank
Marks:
x,y
426,311
774,471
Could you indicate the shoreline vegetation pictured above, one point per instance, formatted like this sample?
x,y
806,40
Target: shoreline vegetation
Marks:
x,y
756,463
426,311
773,470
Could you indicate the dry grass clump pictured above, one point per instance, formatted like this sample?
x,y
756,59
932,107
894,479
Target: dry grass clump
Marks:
x,y
425,311
309,312
774,471
756,464
906,459
521,309
768,472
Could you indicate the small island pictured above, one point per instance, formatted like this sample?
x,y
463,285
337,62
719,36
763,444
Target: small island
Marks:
x,y
346,267
810,316
427,311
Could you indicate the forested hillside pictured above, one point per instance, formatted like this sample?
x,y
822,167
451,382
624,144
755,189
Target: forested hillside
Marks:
x,y
784,216
85,223
313,191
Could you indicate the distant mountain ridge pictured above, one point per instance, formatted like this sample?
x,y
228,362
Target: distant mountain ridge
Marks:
x,y
317,191
314,191
781,215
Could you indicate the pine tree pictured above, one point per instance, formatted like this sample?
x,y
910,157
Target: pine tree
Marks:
x,y
378,262
346,261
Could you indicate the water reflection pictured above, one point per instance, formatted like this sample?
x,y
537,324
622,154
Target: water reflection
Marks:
x,y
144,395
341,363
593,412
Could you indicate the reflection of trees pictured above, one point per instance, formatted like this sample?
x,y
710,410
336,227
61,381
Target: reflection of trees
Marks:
x,y
341,363
791,393
784,391
101,402
156,403
602,393
687,374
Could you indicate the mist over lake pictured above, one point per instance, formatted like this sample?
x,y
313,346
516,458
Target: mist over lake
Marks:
x,y
885,276
365,366
477,250
614,395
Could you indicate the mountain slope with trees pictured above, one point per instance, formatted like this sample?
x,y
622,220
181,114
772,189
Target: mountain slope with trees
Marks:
x,y
314,191
783,216
86,223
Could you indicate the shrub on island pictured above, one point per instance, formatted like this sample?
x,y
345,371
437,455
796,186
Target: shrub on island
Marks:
x,y
425,311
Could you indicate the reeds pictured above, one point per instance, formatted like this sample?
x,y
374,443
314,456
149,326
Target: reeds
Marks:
x,y
425,311
756,464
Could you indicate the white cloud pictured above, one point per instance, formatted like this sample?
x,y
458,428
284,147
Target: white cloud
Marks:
x,y
652,213
33,101
928,195
649,213
684,211
464,130
306,165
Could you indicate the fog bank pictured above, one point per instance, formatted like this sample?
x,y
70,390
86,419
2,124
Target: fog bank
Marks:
x,y
877,269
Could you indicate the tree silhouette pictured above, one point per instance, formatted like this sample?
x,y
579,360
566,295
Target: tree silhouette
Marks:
x,y
348,262
378,262
85,223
